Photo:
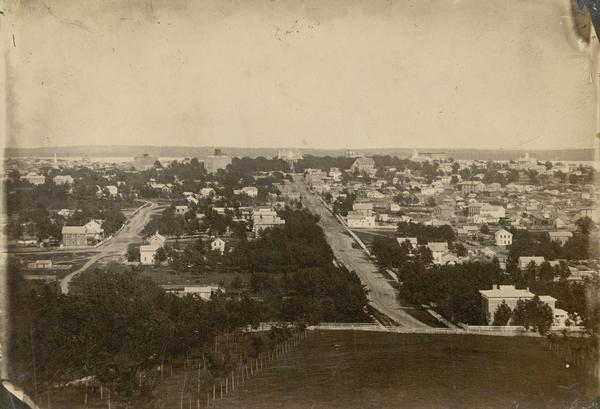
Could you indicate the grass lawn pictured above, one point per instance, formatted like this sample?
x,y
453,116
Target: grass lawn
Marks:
x,y
166,275
367,237
349,369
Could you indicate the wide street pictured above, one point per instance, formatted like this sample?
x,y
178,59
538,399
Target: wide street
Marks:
x,y
130,233
382,295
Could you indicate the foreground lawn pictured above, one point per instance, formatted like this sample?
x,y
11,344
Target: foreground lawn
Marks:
x,y
377,370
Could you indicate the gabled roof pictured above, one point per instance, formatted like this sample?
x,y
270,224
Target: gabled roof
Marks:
x,y
363,160
529,259
157,236
502,231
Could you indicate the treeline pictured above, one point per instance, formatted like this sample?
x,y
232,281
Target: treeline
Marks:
x,y
323,162
453,289
198,218
248,165
292,271
115,327
391,254
527,243
46,224
298,244
425,234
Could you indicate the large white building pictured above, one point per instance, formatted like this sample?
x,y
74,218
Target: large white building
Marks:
x,y
511,296
360,219
34,179
265,219
144,162
217,161
62,180
503,237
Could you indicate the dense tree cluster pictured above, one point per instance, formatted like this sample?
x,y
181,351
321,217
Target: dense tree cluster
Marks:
x,y
117,325
323,162
425,234
526,243
390,254
27,203
342,205
299,243
453,289
533,314
502,314
312,289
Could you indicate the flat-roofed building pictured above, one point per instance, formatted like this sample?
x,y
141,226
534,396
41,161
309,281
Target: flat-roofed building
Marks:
x,y
217,161
144,162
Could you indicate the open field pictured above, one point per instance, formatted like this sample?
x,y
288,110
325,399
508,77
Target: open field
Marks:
x,y
167,275
368,370
74,260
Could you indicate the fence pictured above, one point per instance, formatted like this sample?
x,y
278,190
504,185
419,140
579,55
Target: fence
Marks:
x,y
193,381
582,352
407,330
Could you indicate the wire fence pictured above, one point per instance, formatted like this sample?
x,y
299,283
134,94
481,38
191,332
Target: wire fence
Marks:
x,y
196,380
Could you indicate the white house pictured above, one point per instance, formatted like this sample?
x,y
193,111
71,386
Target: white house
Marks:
x,y
207,191
218,244
250,191
94,228
62,179
497,212
559,223
112,190
503,237
358,219
148,251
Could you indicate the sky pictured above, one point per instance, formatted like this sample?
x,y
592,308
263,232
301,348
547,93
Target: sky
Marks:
x,y
307,74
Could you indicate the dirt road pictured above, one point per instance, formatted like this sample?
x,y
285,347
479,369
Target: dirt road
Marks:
x,y
130,233
382,295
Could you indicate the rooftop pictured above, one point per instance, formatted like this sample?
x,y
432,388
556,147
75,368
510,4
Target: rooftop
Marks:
x,y
506,291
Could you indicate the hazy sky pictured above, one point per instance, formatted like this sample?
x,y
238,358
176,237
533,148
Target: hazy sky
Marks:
x,y
422,73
